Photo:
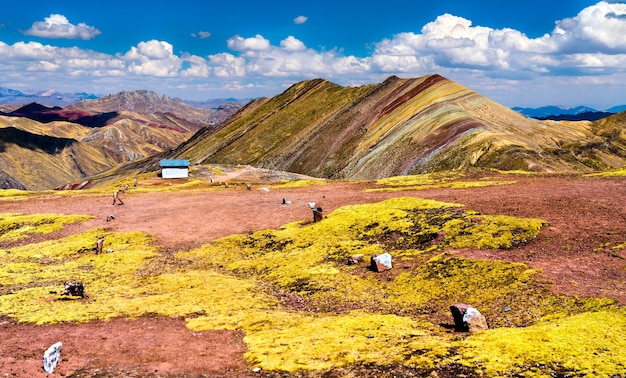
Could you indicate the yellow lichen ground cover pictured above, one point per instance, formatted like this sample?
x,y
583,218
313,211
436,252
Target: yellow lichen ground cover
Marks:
x,y
13,194
616,173
302,307
18,226
431,181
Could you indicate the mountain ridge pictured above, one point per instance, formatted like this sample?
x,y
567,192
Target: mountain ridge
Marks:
x,y
398,127
117,129
321,129
559,113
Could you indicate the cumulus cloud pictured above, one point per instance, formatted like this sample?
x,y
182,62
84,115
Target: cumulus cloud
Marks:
x,y
228,65
256,43
155,58
58,26
292,44
593,38
195,66
258,58
300,20
600,27
40,64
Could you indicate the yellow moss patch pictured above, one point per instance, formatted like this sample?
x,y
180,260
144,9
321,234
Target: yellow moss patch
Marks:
x,y
516,172
418,180
31,277
452,185
310,263
589,344
431,181
617,173
13,194
283,184
323,342
18,226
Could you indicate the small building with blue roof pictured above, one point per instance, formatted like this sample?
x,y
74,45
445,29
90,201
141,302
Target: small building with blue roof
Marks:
x,y
174,168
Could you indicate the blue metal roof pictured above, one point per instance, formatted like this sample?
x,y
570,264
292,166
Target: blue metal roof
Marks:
x,y
174,163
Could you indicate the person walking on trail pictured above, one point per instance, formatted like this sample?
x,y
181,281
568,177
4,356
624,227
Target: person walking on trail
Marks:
x,y
116,198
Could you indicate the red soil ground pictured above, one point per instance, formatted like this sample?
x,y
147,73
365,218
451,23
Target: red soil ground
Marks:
x,y
586,216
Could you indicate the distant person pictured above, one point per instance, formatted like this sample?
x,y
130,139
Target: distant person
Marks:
x,y
116,198
135,182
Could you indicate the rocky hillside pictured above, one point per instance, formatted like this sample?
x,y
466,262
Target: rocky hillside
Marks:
x,y
399,127
45,147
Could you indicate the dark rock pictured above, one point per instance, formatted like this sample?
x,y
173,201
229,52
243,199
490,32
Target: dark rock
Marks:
x,y
317,214
458,310
354,260
76,289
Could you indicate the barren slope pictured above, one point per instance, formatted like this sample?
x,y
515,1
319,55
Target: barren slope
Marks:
x,y
401,126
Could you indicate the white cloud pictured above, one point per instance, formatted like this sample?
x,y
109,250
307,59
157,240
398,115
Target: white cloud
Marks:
x,y
154,58
600,27
201,35
593,38
228,65
42,65
198,67
589,46
257,43
300,20
58,26
292,44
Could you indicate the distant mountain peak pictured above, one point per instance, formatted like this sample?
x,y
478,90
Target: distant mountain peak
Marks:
x,y
49,92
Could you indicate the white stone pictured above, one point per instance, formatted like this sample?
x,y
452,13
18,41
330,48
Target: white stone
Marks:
x,y
475,320
51,357
383,260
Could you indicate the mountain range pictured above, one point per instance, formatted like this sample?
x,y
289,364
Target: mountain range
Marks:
x,y
400,127
579,113
49,98
44,147
315,127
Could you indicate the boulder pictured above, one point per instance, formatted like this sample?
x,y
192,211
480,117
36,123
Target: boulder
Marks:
x,y
381,263
467,318
475,320
76,289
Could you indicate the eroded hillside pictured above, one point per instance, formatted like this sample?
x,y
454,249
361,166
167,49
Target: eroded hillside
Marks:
x,y
46,147
402,126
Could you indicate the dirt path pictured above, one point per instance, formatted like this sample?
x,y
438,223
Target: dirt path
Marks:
x,y
586,218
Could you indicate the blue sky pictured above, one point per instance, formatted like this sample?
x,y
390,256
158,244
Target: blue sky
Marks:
x,y
518,53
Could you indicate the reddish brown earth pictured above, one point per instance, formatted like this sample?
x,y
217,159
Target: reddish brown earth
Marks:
x,y
586,217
